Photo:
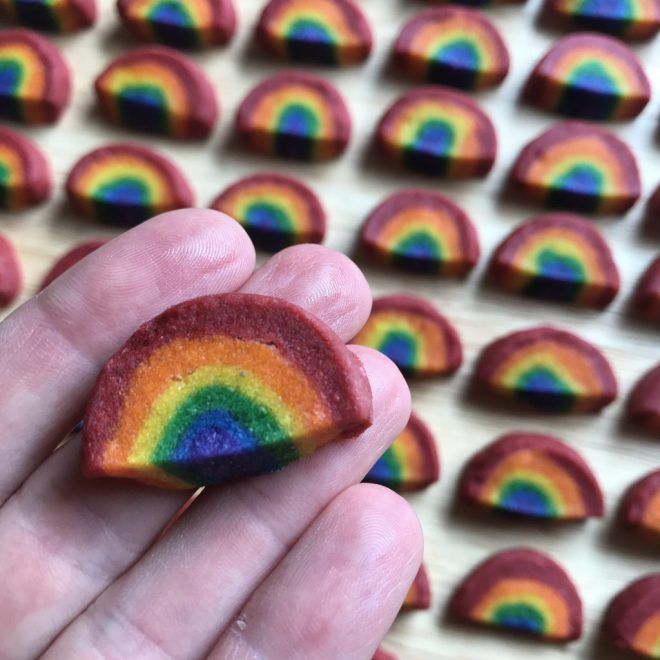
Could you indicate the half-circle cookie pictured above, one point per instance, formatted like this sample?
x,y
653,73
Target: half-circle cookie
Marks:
x,y
535,475
521,590
222,387
549,369
414,335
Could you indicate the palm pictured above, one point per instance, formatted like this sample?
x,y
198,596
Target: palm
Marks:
x,y
299,564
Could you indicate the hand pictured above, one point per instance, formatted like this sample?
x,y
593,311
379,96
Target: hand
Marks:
x,y
306,563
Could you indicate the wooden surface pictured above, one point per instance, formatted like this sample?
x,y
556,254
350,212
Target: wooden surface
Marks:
x,y
600,559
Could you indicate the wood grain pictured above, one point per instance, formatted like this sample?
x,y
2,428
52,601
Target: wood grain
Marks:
x,y
600,558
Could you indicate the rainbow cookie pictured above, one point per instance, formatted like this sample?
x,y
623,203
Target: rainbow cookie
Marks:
x,y
646,300
580,167
550,369
644,401
411,462
535,475
125,184
24,172
35,83
62,16
157,90
419,594
452,46
222,387
180,23
521,590
438,132
559,257
422,232
11,277
640,509
634,20
320,32
589,76
69,259
632,620
295,115
275,210
414,335
382,654
653,204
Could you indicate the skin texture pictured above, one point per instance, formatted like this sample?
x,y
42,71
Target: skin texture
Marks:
x,y
88,566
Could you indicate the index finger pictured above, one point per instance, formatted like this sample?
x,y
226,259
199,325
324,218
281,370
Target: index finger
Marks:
x,y
52,347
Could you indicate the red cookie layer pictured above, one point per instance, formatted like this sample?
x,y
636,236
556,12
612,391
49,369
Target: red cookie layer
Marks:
x,y
646,300
11,277
413,50
507,271
256,121
518,563
347,49
481,466
385,225
640,508
310,345
536,170
71,258
419,594
201,107
631,608
46,63
31,180
518,345
552,86
644,401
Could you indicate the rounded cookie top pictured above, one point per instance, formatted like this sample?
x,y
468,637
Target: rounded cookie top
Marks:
x,y
180,23
531,474
452,46
124,184
558,257
438,132
644,401
276,210
631,620
631,19
422,232
157,90
579,167
411,462
589,76
640,508
222,387
295,115
549,369
333,32
521,590
414,335
25,178
35,81
646,299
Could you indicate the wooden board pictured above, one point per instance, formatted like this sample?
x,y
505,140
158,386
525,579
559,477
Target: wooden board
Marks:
x,y
600,559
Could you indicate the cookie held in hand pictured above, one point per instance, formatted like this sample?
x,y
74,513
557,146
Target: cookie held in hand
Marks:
x,y
222,387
